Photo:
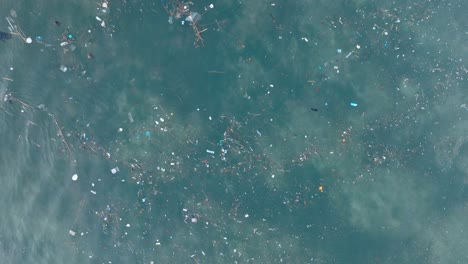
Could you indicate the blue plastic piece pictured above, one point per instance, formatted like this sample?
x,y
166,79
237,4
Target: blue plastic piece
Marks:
x,y
353,104
147,133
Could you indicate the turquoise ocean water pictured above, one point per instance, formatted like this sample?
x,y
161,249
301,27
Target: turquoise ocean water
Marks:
x,y
295,132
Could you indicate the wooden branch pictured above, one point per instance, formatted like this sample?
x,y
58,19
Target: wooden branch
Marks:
x,y
61,134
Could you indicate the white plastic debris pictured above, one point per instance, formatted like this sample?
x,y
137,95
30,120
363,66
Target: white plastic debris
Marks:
x,y
63,68
75,177
29,40
128,225
210,151
130,117
104,5
193,17
115,170
98,18
103,24
305,39
93,192
72,233
64,43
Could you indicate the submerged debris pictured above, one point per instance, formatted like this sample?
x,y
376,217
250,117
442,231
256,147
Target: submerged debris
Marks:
x,y
4,36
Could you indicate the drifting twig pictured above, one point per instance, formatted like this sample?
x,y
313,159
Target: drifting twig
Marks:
x,y
61,134
10,97
198,36
16,30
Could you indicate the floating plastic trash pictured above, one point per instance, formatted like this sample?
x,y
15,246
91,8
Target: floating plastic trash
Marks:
x,y
193,17
353,104
115,170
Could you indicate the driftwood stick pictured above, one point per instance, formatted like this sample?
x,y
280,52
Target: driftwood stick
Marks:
x,y
59,130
